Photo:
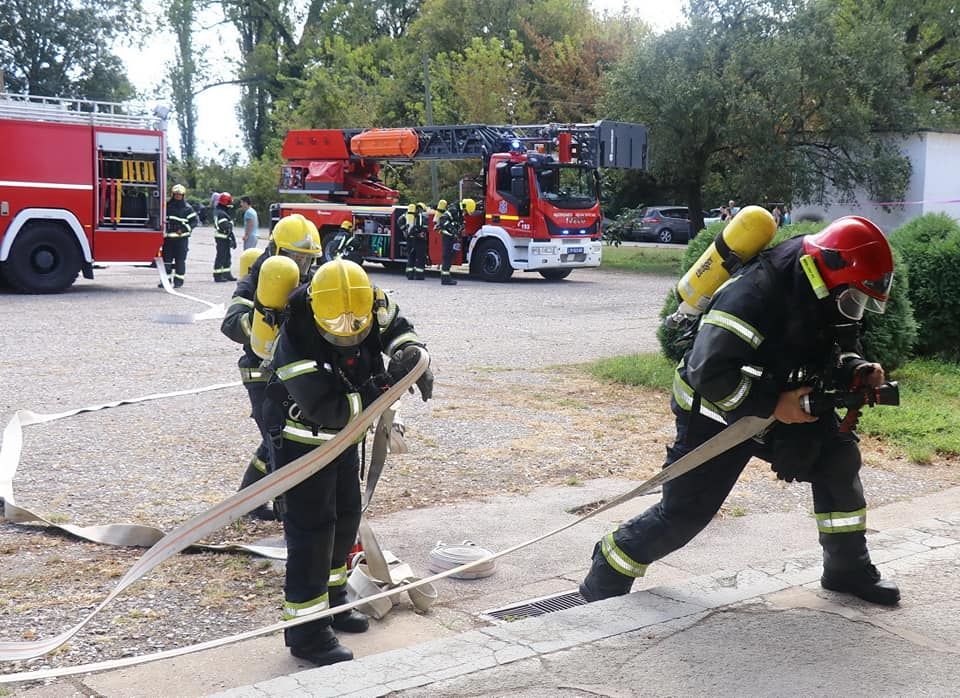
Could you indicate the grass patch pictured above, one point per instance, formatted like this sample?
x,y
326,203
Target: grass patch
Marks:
x,y
925,424
647,370
652,260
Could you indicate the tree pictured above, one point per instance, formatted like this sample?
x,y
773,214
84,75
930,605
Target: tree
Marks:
x,y
768,95
59,48
181,14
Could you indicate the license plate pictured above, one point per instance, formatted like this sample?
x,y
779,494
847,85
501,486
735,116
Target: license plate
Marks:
x,y
574,250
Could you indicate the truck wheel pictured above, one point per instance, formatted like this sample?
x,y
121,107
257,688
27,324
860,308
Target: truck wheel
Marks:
x,y
44,259
555,274
491,262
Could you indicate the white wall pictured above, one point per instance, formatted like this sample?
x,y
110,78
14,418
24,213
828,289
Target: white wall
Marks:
x,y
934,157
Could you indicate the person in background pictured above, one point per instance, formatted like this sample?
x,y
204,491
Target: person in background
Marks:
x,y
223,238
778,215
732,206
251,222
181,219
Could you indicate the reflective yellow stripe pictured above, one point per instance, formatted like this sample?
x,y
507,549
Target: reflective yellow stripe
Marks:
x,y
491,216
739,394
254,375
744,330
405,338
258,465
338,577
619,560
356,405
842,521
303,434
297,368
294,609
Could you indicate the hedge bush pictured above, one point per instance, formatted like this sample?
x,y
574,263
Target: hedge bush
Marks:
x,y
887,338
930,249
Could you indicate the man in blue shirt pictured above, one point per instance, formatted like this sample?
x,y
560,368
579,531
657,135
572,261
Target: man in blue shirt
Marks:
x,y
251,222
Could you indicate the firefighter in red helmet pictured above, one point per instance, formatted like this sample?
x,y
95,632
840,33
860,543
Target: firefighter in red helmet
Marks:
x,y
223,238
786,322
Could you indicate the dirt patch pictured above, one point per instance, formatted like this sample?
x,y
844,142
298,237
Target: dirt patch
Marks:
x,y
493,432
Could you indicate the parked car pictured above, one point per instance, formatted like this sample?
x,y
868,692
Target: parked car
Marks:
x,y
711,216
661,224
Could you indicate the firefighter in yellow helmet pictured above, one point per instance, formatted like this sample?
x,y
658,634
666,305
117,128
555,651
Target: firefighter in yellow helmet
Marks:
x,y
450,226
181,219
414,226
295,237
329,366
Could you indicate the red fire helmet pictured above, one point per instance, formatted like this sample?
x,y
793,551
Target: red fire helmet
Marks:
x,y
225,199
853,254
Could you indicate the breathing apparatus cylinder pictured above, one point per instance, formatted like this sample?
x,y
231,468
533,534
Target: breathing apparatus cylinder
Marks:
x,y
247,259
749,232
278,277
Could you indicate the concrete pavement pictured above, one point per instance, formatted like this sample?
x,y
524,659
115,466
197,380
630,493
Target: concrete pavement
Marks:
x,y
738,611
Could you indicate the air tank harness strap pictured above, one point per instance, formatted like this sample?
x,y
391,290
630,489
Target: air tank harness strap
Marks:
x,y
731,260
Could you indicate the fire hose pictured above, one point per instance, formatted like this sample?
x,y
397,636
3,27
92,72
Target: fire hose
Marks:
x,y
287,477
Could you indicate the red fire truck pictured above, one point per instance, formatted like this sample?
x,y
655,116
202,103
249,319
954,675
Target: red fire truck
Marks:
x,y
80,182
537,192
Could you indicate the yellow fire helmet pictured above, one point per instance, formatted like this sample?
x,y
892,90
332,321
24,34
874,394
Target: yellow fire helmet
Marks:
x,y
179,189
341,299
296,237
347,225
412,208
468,205
442,205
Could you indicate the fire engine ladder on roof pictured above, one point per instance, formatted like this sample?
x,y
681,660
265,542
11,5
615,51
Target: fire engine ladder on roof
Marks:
x,y
78,111
611,144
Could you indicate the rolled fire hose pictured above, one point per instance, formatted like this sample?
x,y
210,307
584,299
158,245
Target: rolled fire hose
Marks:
x,y
285,478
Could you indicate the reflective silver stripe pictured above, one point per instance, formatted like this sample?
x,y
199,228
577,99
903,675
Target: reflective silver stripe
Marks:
x,y
405,338
297,368
338,577
619,560
682,392
734,399
293,609
752,371
850,355
245,324
387,315
240,300
356,405
731,323
258,465
708,409
842,521
254,375
301,433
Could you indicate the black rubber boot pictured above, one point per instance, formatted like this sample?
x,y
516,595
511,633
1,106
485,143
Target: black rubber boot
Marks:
x,y
322,649
229,277
864,583
265,511
602,581
419,277
410,275
218,278
447,281
352,621
177,283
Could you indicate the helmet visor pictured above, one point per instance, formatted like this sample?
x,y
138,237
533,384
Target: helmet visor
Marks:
x,y
852,302
304,261
346,330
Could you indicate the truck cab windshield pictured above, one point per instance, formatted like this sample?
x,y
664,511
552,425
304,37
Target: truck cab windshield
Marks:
x,y
567,186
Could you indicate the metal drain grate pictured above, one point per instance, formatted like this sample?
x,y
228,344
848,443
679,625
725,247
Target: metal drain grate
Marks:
x,y
535,607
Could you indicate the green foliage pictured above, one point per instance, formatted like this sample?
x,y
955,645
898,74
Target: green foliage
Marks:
x,y
770,97
925,424
649,370
930,248
58,48
886,338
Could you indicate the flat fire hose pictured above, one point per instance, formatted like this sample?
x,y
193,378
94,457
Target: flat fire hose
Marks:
x,y
236,505
215,518
214,311
122,534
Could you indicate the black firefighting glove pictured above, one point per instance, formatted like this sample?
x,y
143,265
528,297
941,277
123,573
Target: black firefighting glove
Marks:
x,y
794,450
375,386
403,361
233,240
